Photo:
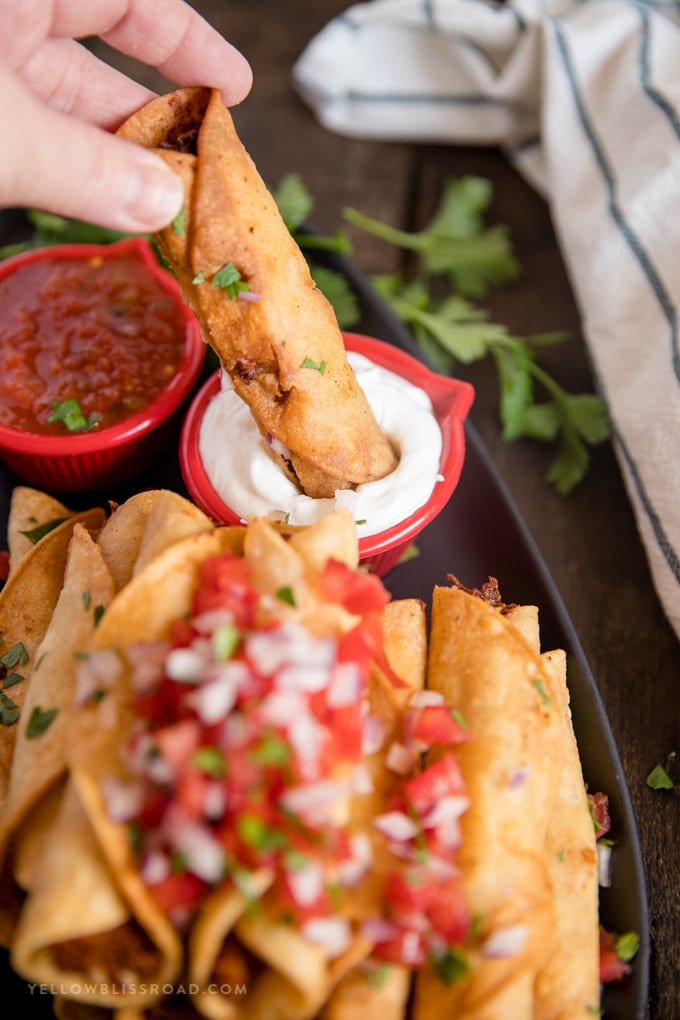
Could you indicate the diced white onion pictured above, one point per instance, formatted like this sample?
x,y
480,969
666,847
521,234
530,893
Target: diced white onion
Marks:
x,y
345,685
280,708
400,759
184,665
396,825
123,801
204,855
155,868
373,734
356,866
333,933
505,941
278,447
315,801
604,863
307,738
214,800
425,699
306,883
98,670
519,777
214,699
212,620
147,661
377,929
302,677
447,809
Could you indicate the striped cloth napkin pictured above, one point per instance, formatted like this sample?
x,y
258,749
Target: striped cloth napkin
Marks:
x,y
584,95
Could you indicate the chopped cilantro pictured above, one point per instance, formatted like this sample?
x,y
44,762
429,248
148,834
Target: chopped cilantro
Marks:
x,y
16,655
199,277
71,414
272,750
457,250
295,860
658,779
229,280
9,710
459,717
450,966
97,615
178,862
226,640
39,721
178,223
209,759
87,598
256,833
378,975
538,684
11,679
310,363
627,946
286,594
35,534
411,552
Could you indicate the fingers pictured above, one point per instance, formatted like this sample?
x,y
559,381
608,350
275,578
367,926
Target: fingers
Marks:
x,y
69,78
63,165
166,34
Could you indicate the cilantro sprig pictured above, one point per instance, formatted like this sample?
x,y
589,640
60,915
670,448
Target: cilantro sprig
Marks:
x,y
457,253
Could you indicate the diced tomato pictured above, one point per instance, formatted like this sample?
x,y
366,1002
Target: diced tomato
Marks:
x,y
358,592
178,742
448,912
190,792
612,968
181,633
225,584
599,808
178,893
4,565
408,948
440,779
435,724
429,903
345,731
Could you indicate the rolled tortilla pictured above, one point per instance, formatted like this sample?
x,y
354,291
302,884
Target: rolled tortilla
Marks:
x,y
486,670
77,932
279,341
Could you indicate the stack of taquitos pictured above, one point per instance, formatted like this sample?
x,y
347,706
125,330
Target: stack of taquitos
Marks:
x,y
311,826
240,270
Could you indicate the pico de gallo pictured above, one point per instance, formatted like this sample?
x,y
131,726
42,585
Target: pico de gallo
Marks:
x,y
87,341
252,740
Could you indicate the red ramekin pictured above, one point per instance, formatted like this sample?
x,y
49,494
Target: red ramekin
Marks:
x,y
87,461
451,400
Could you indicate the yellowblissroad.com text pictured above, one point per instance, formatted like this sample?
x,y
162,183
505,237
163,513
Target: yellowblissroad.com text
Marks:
x,y
76,989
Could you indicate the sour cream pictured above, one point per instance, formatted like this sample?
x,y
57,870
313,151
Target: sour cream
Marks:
x,y
248,480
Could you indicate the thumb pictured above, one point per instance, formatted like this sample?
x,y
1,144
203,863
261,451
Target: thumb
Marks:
x,y
55,162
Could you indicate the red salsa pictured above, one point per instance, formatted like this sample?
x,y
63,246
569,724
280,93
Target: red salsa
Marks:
x,y
86,342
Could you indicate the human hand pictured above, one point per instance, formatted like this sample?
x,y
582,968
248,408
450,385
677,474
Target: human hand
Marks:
x,y
59,104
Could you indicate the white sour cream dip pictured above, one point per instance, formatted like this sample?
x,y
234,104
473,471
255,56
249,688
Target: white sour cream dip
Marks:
x,y
248,480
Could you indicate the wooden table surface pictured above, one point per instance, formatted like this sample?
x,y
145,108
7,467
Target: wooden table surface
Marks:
x,y
588,539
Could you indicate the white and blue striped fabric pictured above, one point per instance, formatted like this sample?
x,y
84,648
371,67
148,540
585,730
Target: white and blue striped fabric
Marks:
x,y
585,98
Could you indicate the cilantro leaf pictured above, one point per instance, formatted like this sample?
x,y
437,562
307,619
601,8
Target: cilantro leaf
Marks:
x,y
39,721
229,279
455,242
71,414
294,200
658,779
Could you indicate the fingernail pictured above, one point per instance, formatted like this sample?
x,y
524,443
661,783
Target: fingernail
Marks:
x,y
153,195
